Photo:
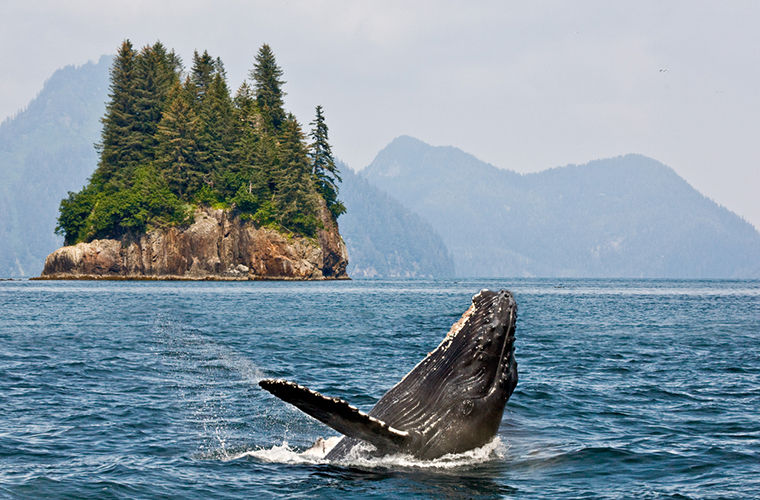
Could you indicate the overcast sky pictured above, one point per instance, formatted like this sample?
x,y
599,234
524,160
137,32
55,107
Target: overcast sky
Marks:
x,y
522,85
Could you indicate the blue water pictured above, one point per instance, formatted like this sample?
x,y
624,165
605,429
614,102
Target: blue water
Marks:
x,y
145,389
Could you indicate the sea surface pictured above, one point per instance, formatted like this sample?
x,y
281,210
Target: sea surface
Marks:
x,y
626,388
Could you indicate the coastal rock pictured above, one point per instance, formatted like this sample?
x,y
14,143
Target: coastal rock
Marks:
x,y
217,245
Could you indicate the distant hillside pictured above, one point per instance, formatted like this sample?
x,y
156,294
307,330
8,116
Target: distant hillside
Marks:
x,y
629,216
45,151
384,238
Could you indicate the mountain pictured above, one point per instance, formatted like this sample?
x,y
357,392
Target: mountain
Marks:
x,y
629,216
384,238
47,150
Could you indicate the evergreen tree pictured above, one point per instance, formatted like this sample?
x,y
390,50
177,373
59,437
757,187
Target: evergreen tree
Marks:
x,y
178,151
269,94
323,165
152,203
219,68
155,76
244,148
295,195
246,122
174,62
255,156
242,155
217,130
245,103
202,73
117,152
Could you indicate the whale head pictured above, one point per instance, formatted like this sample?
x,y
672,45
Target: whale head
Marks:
x,y
453,400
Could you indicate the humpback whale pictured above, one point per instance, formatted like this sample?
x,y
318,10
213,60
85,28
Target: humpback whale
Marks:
x,y
451,402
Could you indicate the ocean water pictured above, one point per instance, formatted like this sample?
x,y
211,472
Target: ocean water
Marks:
x,y
145,389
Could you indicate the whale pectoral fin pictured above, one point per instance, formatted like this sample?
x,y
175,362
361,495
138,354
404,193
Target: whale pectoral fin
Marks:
x,y
338,414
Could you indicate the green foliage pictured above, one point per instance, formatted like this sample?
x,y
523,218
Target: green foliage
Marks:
x,y
117,152
323,165
167,145
178,151
207,196
266,215
155,77
201,74
148,203
305,224
216,127
267,77
73,212
246,201
295,195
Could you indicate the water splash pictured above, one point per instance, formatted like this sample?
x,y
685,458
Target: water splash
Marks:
x,y
360,456
207,376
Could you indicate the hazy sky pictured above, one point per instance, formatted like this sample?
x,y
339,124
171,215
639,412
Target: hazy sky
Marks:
x,y
523,85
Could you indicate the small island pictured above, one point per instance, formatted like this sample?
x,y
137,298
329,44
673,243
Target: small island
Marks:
x,y
195,183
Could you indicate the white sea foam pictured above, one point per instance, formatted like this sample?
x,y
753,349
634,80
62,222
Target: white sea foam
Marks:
x,y
360,457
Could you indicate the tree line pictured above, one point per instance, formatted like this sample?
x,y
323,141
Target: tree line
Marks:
x,y
173,140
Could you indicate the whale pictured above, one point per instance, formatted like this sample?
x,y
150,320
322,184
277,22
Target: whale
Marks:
x,y
450,402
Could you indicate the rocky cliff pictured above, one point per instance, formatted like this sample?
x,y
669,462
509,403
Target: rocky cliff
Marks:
x,y
217,246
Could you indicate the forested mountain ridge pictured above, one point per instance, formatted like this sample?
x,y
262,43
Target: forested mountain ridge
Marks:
x,y
172,141
629,216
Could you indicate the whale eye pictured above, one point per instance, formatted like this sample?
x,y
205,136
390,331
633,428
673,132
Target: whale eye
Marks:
x,y
467,406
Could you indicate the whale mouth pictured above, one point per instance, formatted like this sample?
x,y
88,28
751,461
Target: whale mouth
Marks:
x,y
507,366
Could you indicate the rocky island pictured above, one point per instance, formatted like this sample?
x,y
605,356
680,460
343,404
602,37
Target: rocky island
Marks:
x,y
217,246
196,184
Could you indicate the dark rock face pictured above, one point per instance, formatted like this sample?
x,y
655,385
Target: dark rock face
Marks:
x,y
216,246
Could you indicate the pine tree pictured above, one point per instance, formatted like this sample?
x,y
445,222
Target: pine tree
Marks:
x,y
269,94
155,76
202,73
216,129
174,62
245,102
244,148
219,68
177,154
323,164
244,118
295,196
117,153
